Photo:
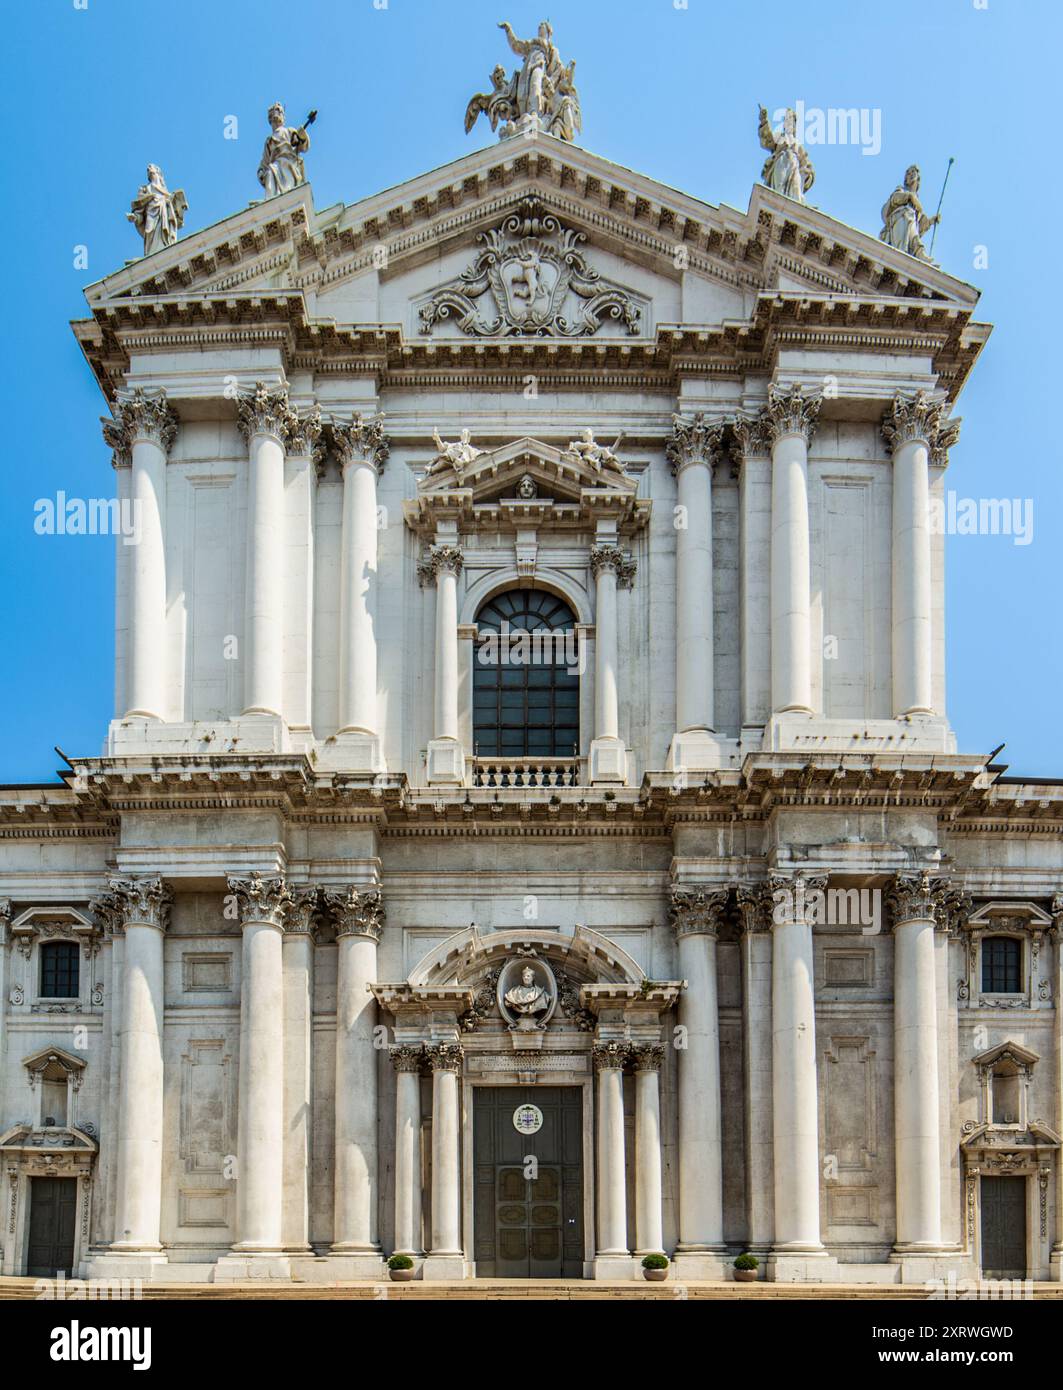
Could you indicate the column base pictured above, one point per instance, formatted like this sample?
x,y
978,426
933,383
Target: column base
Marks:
x,y
801,1264
702,1262
352,750
442,1269
1055,1265
614,1268
446,763
608,761
923,1264
699,750
131,1264
347,1265
239,1265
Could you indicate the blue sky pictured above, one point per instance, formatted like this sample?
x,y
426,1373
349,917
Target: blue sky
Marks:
x,y
97,88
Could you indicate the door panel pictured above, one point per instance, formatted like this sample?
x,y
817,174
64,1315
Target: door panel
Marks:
x,y
1004,1227
53,1215
528,1227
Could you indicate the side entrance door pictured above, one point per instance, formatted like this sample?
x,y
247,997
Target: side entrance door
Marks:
x,y
53,1212
1004,1227
528,1207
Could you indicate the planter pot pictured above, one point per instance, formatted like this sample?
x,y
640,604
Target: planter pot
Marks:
x,y
402,1276
745,1276
655,1276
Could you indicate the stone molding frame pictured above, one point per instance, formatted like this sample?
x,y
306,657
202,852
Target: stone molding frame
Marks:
x,y
1022,921
32,929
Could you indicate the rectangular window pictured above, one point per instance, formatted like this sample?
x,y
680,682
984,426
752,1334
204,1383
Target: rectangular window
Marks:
x,y
59,970
1001,965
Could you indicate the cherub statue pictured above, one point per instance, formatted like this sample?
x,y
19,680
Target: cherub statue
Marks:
x,y
788,168
157,214
281,167
903,219
587,450
528,282
457,455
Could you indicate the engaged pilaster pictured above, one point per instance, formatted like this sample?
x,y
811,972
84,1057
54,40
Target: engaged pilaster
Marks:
x,y
305,455
612,1259
646,1059
915,433
446,1259
791,421
409,1062
751,455
611,569
143,431
446,758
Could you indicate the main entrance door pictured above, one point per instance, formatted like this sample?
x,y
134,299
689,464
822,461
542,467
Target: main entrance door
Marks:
x,y
528,1210
1004,1227
53,1214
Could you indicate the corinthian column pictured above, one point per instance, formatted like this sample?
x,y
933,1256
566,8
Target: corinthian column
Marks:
x,y
611,568
612,1259
649,1214
696,915
446,758
363,451
751,455
914,431
143,906
143,431
408,1061
359,917
918,902
446,1260
264,904
692,453
791,419
795,1108
305,454
265,420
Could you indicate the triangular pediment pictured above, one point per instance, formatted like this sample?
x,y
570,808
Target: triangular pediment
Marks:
x,y
527,469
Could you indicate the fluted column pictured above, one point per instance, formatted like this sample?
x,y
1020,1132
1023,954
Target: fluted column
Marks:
x,y
359,917
914,431
362,449
265,419
447,1257
609,1059
795,1110
611,568
649,1212
791,418
408,1061
446,762
144,430
696,915
144,906
263,904
917,902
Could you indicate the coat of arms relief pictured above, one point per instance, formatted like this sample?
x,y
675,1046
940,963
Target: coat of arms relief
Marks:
x,y
531,279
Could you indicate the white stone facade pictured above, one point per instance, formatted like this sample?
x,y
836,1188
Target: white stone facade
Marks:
x,y
292,882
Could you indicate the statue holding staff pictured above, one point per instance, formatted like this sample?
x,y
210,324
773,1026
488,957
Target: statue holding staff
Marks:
x,y
157,214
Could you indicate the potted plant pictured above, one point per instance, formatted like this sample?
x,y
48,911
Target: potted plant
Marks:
x,y
746,1269
400,1268
655,1268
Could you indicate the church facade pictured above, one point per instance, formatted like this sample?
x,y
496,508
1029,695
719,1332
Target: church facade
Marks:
x,y
530,835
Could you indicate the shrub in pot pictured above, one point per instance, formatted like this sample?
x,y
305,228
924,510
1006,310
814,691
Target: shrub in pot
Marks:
x,y
746,1269
655,1268
400,1267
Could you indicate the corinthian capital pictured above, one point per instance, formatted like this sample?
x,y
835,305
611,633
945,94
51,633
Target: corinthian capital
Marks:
x,y
262,899
141,902
303,432
922,897
754,906
361,440
441,559
604,557
695,911
139,416
444,1056
752,438
693,441
408,1057
920,418
263,411
356,913
790,411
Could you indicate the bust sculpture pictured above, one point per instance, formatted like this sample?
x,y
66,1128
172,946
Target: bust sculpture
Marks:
x,y
527,998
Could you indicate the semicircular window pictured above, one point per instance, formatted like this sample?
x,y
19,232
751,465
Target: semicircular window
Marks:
x,y
526,677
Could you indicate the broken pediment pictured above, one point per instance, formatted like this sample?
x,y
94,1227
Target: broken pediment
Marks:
x,y
528,469
532,276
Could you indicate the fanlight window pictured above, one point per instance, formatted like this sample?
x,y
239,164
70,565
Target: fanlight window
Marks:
x,y
1001,965
59,970
526,677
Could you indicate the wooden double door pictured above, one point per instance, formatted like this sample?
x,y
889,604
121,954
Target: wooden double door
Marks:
x,y
53,1223
528,1202
1003,1227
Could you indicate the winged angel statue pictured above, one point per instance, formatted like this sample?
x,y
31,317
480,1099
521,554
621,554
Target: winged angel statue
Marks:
x,y
540,95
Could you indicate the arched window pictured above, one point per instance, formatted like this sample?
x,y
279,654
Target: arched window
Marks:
x,y
59,970
1001,965
526,677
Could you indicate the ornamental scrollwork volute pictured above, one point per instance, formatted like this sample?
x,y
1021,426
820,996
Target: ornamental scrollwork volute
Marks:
x,y
263,411
692,441
143,902
483,1002
698,911
534,273
139,416
920,418
790,411
360,440
611,557
356,912
261,898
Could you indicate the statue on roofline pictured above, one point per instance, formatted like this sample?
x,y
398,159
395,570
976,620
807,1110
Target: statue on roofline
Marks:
x,y
540,96
457,455
281,166
157,214
904,222
788,168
